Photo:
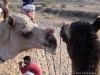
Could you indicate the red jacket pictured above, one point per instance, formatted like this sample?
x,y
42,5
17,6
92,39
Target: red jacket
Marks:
x,y
32,67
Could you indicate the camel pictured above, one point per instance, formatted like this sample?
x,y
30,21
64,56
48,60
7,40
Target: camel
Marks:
x,y
83,46
18,33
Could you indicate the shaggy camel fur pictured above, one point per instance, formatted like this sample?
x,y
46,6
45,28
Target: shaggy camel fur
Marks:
x,y
83,46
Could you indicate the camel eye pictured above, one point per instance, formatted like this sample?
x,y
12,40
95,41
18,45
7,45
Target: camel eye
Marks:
x,y
26,35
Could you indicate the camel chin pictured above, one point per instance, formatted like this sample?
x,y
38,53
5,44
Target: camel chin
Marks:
x,y
47,49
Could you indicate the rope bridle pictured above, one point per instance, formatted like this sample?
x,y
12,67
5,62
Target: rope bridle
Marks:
x,y
60,68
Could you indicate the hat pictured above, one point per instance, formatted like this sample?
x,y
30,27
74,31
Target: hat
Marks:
x,y
1,10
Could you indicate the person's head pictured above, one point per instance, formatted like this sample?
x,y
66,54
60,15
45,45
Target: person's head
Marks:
x,y
27,59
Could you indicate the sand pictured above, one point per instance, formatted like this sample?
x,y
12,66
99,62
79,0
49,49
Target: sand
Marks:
x,y
59,64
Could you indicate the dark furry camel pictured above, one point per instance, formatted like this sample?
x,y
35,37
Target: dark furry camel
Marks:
x,y
83,46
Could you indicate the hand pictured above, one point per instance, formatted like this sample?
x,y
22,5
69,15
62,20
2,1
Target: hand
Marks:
x,y
20,64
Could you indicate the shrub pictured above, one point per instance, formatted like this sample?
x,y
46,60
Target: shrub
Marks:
x,y
14,7
81,5
44,4
63,5
75,13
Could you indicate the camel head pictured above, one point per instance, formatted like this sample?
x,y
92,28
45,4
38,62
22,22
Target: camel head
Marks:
x,y
31,34
72,30
18,33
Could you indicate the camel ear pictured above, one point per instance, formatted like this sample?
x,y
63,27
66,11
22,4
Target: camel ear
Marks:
x,y
66,25
11,21
96,24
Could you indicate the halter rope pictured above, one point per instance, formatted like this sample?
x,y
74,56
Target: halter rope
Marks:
x,y
60,68
47,63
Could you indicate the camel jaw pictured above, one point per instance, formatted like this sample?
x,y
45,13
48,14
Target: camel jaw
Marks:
x,y
50,50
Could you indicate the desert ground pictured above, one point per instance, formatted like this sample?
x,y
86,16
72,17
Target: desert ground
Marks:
x,y
59,64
